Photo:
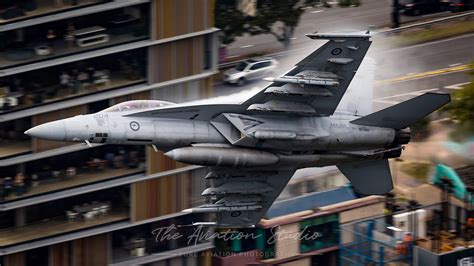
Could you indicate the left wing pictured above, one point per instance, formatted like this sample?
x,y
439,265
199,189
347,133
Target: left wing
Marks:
x,y
240,198
314,87
317,83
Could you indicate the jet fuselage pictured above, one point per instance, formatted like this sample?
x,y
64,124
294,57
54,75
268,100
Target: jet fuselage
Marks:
x,y
304,141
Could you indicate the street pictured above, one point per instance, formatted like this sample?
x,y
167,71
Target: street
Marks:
x,y
370,13
424,67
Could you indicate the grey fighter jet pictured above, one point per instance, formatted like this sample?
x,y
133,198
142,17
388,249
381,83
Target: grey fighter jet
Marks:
x,y
253,148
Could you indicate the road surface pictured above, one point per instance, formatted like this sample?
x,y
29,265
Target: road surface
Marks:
x,y
401,72
370,13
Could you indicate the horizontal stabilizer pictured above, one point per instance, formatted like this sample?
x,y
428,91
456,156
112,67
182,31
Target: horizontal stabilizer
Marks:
x,y
368,177
406,113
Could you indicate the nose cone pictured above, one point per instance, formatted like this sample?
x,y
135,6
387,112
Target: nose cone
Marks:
x,y
51,131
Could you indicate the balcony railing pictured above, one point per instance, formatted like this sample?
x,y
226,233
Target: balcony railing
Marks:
x,y
56,226
68,37
64,176
36,52
72,80
67,215
154,238
10,148
101,80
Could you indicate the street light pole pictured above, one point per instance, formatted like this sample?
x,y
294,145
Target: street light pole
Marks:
x,y
395,14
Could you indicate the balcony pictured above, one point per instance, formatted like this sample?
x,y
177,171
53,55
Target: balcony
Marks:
x,y
14,11
67,37
12,140
53,84
68,215
154,238
70,171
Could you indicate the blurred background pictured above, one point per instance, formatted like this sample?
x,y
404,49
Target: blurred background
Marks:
x,y
68,204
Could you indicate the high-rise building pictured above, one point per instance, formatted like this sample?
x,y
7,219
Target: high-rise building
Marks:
x,y
68,204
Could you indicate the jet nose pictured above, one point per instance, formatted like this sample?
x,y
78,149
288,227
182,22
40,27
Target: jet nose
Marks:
x,y
55,130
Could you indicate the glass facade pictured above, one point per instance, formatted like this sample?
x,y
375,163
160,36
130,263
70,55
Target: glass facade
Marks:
x,y
319,232
246,239
157,237
76,35
87,56
19,10
70,170
49,85
69,214
12,140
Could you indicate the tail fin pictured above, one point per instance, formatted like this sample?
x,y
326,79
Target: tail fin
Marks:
x,y
368,177
406,113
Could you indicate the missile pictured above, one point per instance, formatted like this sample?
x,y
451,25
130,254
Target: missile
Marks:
x,y
227,157
206,209
238,188
234,200
304,80
274,134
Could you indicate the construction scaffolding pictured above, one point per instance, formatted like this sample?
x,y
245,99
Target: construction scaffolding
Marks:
x,y
373,242
438,229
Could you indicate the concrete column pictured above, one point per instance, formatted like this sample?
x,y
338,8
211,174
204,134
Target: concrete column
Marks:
x,y
20,217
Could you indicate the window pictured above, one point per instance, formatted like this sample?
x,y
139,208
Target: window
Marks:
x,y
37,257
97,106
75,79
257,66
55,39
318,233
136,105
208,51
241,66
266,64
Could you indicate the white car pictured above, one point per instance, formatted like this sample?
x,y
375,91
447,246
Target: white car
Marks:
x,y
250,69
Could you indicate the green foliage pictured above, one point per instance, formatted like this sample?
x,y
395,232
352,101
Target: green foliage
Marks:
x,y
421,128
230,20
271,13
276,17
461,107
417,170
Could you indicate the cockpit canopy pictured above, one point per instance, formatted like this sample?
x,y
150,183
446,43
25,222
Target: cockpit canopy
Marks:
x,y
136,105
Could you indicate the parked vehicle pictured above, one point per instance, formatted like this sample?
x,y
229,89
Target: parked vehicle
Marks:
x,y
419,7
250,69
461,5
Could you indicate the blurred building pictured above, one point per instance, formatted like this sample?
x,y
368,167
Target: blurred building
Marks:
x,y
299,231
334,227
67,204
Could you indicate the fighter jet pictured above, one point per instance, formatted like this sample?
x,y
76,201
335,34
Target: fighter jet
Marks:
x,y
253,148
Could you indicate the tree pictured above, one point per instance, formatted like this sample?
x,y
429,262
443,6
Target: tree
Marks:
x,y
234,23
230,20
421,128
272,12
461,107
